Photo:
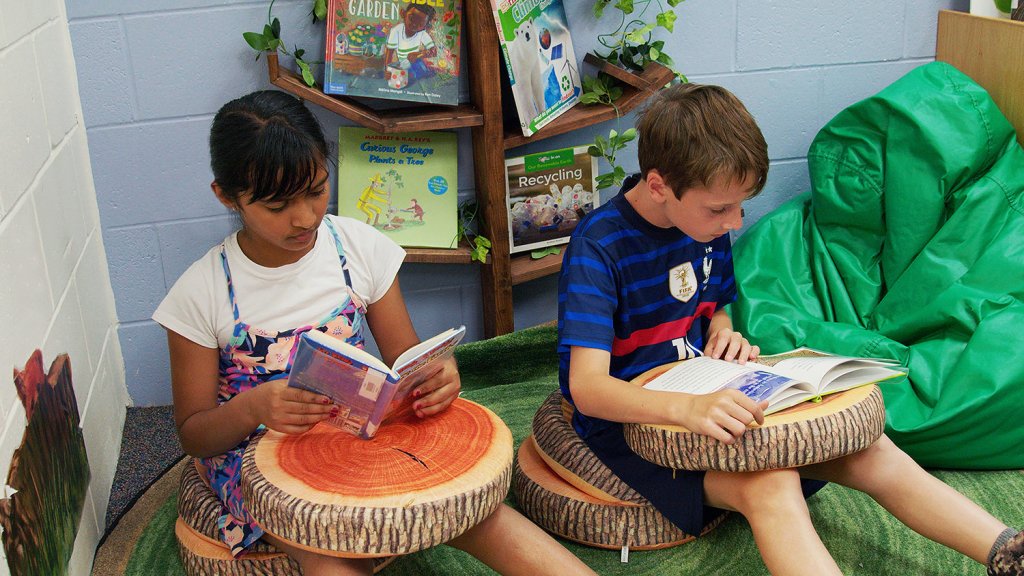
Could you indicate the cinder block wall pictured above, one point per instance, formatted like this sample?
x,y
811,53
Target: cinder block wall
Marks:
x,y
55,292
153,72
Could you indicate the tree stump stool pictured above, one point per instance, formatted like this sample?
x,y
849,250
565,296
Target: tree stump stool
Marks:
x,y
199,545
564,510
808,433
416,484
568,455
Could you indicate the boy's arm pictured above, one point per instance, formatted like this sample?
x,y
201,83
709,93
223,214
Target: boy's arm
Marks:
x,y
723,415
726,344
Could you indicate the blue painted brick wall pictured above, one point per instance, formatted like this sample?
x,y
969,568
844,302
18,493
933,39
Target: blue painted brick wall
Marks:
x,y
153,72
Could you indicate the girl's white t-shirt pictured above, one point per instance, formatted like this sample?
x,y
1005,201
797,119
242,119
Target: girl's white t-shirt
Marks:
x,y
283,298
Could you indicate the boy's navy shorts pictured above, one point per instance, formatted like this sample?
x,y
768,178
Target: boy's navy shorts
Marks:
x,y
677,494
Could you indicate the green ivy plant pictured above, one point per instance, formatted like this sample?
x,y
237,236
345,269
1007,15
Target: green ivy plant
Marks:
x,y
468,217
269,40
607,148
630,45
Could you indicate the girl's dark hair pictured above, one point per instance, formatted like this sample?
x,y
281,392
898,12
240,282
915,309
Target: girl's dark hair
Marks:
x,y
266,143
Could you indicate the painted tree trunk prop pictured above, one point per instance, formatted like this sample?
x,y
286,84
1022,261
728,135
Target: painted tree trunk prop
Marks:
x,y
416,484
49,472
569,456
199,545
562,509
810,432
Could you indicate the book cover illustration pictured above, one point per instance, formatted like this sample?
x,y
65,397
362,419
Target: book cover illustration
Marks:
x,y
405,185
539,59
394,49
547,194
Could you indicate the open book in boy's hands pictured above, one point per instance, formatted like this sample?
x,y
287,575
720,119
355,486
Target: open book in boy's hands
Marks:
x,y
366,390
783,380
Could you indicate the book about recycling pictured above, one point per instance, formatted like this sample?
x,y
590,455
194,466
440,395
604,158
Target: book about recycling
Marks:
x,y
547,194
367,391
540,63
403,184
394,49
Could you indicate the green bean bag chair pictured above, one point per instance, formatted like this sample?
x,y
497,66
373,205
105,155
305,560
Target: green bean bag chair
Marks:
x,y
909,245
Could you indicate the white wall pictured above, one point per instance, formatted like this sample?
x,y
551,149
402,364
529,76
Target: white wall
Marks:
x,y
55,291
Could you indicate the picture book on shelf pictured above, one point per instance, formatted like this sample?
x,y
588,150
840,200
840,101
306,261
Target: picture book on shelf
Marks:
x,y
547,194
783,380
404,184
394,49
539,59
367,391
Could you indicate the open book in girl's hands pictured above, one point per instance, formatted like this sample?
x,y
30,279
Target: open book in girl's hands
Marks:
x,y
782,379
366,390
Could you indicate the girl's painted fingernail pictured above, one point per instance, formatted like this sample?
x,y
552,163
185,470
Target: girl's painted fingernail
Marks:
x,y
417,407
416,393
325,400
419,414
334,412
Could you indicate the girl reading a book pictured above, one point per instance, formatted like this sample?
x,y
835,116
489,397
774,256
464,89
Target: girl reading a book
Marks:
x,y
234,317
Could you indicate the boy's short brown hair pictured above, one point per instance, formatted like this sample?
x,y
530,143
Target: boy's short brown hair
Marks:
x,y
695,134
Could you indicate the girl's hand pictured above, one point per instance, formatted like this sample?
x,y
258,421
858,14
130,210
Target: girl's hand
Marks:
x,y
723,415
729,346
438,392
288,410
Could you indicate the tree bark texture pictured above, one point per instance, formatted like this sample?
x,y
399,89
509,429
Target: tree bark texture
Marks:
x,y
808,433
570,457
558,507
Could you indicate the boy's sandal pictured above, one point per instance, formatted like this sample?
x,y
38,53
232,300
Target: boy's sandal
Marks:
x,y
1007,559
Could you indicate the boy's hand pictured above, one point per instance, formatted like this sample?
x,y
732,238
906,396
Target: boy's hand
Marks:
x,y
729,346
723,415
288,410
438,392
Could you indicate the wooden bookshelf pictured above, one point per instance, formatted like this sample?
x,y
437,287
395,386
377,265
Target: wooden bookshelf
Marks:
x,y
483,116
410,119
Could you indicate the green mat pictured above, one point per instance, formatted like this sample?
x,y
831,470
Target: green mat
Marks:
x,y
512,374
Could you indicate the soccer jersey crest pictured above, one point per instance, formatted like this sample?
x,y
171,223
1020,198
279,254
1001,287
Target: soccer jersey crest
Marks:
x,y
682,282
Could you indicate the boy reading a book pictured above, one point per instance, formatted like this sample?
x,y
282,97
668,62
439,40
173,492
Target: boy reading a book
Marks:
x,y
644,283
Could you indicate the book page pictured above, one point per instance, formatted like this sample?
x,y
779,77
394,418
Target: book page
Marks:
x,y
345,349
448,338
834,373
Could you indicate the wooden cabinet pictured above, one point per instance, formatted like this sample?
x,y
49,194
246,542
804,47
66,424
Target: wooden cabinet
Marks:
x,y
491,139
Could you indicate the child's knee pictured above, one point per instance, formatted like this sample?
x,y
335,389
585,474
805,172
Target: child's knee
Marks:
x,y
750,491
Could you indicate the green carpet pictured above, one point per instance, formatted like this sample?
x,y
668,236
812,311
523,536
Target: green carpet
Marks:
x,y
512,374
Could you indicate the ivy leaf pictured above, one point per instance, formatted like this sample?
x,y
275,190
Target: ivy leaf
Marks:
x,y
599,8
667,20
542,252
319,10
604,181
595,151
275,27
628,135
665,59
482,242
298,52
625,5
612,135
589,98
674,3
615,93
653,54
255,40
307,74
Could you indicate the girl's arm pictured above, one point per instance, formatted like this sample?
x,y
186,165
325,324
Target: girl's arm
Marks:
x,y
723,415
208,429
394,333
